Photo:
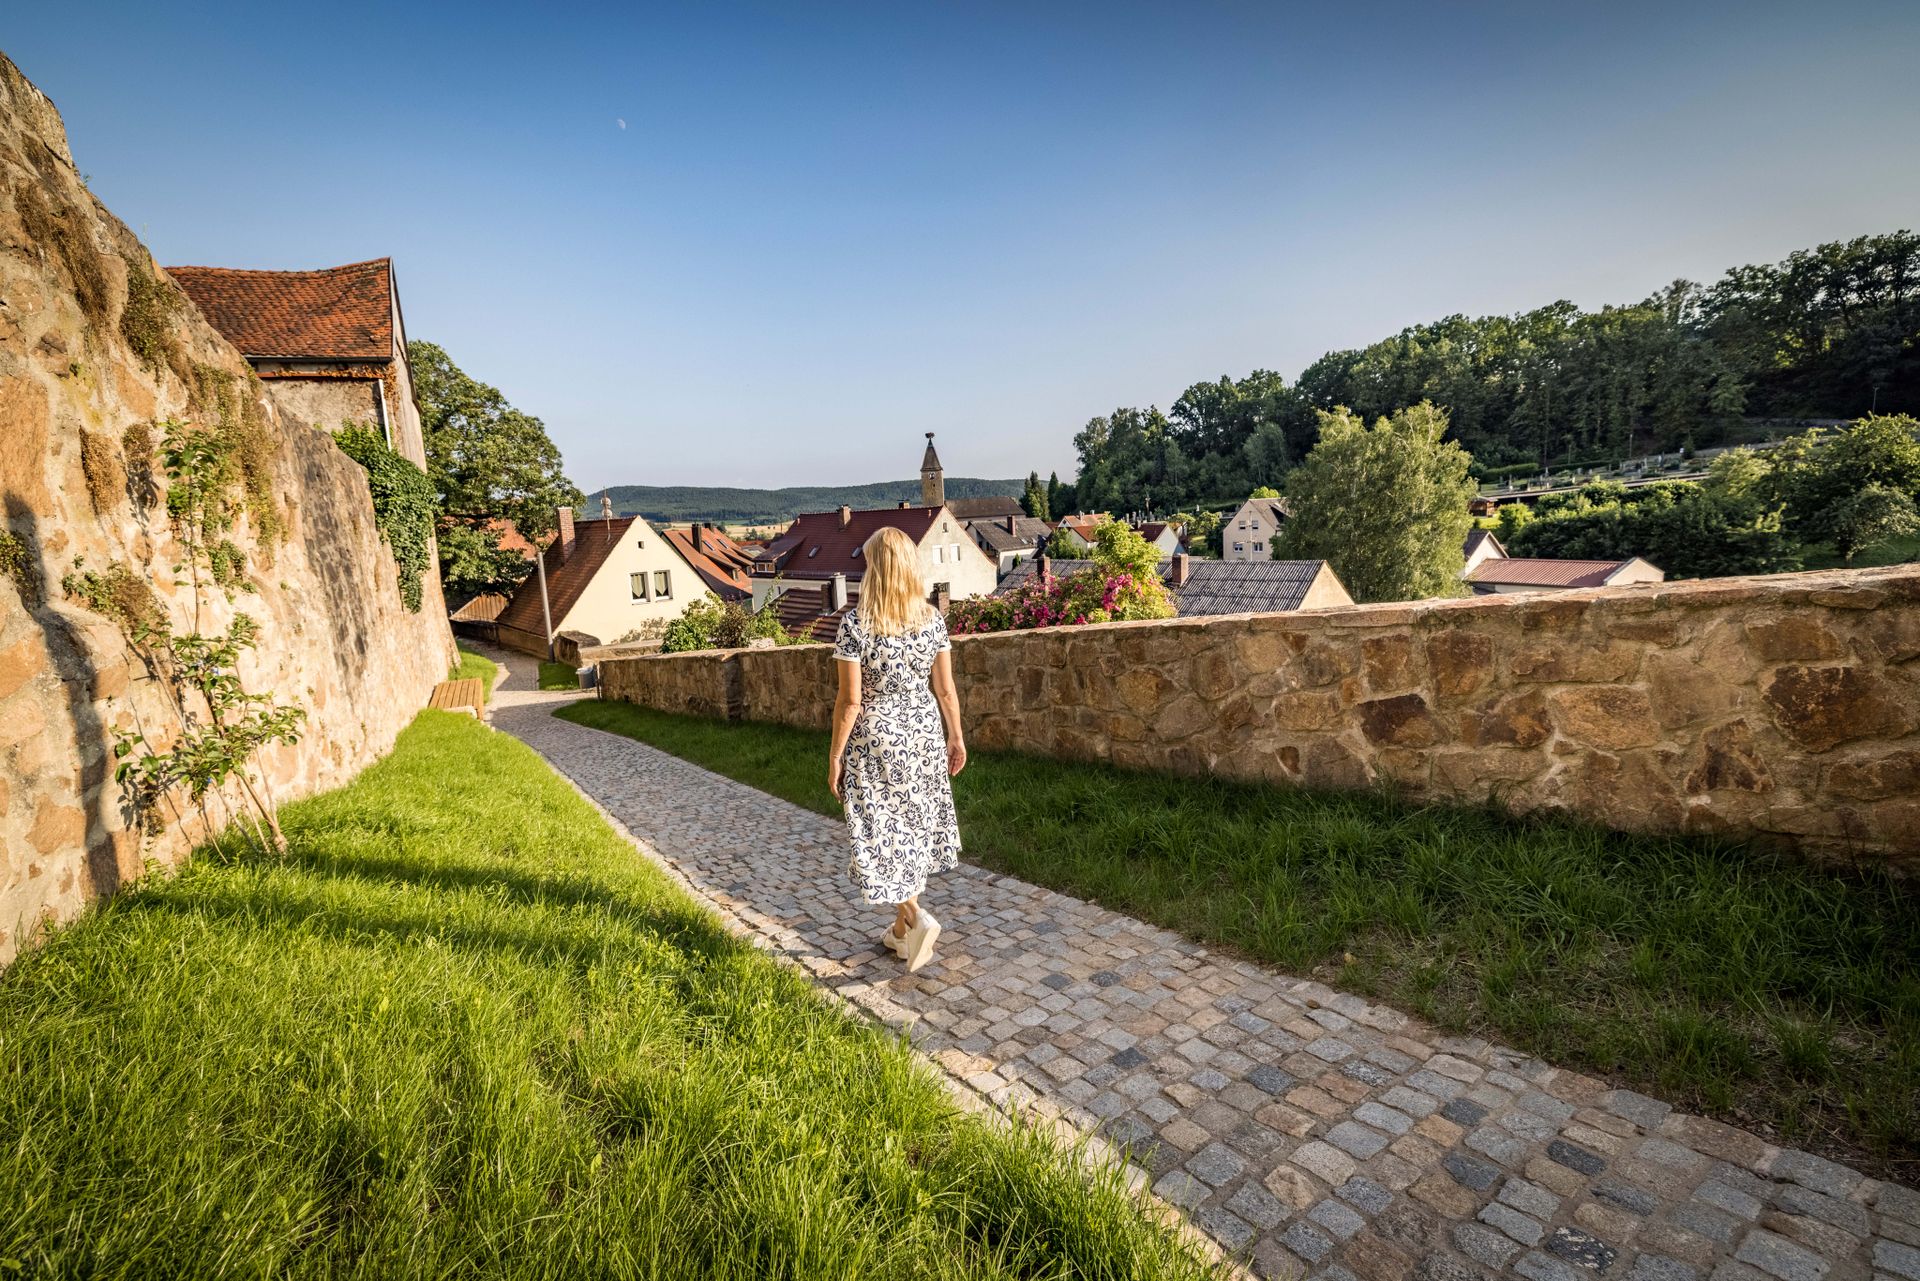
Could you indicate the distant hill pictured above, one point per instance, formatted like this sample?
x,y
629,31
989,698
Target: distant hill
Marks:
x,y
770,506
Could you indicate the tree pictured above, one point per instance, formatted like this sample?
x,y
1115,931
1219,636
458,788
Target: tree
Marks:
x,y
1817,474
1871,517
1122,550
1202,530
1385,505
488,461
1059,497
1264,491
1687,530
1034,500
1060,545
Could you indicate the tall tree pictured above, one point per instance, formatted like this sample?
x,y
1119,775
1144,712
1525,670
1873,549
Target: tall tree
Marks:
x,y
488,461
1385,505
1034,500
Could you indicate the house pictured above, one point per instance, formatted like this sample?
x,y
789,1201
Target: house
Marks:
x,y
820,545
1501,574
994,508
1248,533
1205,587
933,493
1481,546
1079,528
603,578
723,565
1164,536
1009,539
1483,506
330,346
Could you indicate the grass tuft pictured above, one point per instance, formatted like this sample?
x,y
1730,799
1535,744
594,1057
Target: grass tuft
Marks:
x,y
464,1030
1775,995
472,666
559,675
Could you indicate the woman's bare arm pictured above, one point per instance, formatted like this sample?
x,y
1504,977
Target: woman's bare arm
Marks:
x,y
846,710
948,697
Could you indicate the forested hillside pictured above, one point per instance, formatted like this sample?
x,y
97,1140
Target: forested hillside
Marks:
x,y
757,506
1829,333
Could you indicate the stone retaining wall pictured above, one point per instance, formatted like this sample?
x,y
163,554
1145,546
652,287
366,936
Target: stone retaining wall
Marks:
x,y
1784,707
76,489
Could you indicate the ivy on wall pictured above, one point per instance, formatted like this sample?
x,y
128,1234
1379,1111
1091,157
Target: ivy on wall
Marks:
x,y
403,505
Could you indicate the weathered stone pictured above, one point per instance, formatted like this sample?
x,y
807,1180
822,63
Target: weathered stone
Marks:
x,y
1517,720
1877,778
20,662
1820,707
1730,760
1793,638
1402,721
1569,661
1460,662
1388,662
1606,716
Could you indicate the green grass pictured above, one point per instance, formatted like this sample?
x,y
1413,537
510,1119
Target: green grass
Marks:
x,y
1725,980
465,1030
1895,551
476,665
559,675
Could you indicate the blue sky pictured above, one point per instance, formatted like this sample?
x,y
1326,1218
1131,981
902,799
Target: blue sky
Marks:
x,y
825,229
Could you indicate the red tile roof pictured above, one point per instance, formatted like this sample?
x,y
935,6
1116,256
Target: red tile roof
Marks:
x,y
817,546
722,564
342,313
803,611
593,541
1539,572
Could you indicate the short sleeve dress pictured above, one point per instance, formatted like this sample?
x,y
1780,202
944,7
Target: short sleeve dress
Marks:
x,y
899,797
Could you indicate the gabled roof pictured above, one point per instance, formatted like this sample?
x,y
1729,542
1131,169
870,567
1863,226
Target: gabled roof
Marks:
x,y
1274,509
722,564
804,611
341,313
983,508
1152,530
816,545
997,538
593,542
1212,586
1475,537
1529,571
1246,587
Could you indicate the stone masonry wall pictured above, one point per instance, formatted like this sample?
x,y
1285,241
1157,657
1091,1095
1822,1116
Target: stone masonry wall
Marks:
x,y
1785,707
76,487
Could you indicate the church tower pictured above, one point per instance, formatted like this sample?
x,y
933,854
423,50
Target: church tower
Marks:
x,y
933,483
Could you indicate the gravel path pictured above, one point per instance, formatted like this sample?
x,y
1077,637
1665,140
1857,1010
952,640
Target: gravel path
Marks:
x,y
1306,1131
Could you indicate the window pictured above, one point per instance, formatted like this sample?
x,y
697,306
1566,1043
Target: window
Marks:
x,y
1243,524
1259,547
939,555
855,552
1256,524
638,582
812,552
662,585
1239,547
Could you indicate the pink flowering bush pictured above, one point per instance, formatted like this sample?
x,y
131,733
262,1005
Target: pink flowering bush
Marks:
x,y
1092,595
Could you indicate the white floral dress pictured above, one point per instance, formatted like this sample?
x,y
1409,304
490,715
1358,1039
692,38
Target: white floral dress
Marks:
x,y
899,797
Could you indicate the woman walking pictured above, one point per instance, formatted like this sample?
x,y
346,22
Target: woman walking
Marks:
x,y
891,764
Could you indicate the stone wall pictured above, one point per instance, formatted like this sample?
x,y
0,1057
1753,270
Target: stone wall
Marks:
x,y
75,485
1785,708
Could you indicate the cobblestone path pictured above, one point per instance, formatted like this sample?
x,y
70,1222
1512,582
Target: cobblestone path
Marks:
x,y
1305,1130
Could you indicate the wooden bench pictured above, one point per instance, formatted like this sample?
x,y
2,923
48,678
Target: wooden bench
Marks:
x,y
467,696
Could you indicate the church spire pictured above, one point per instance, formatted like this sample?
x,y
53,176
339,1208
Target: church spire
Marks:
x,y
933,484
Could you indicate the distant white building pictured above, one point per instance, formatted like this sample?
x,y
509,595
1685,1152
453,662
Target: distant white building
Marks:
x,y
1248,534
1489,571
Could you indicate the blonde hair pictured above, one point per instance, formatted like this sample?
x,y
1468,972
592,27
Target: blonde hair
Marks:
x,y
893,594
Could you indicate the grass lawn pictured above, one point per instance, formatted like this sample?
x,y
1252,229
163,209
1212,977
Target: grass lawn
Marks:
x,y
476,665
559,675
464,1030
1895,551
1752,988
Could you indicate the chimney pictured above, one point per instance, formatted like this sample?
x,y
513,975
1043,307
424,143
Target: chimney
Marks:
x,y
1045,567
1178,578
566,533
1011,522
942,596
904,504
846,516
836,593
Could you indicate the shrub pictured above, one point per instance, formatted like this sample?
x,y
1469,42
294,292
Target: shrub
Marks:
x,y
1092,595
710,624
